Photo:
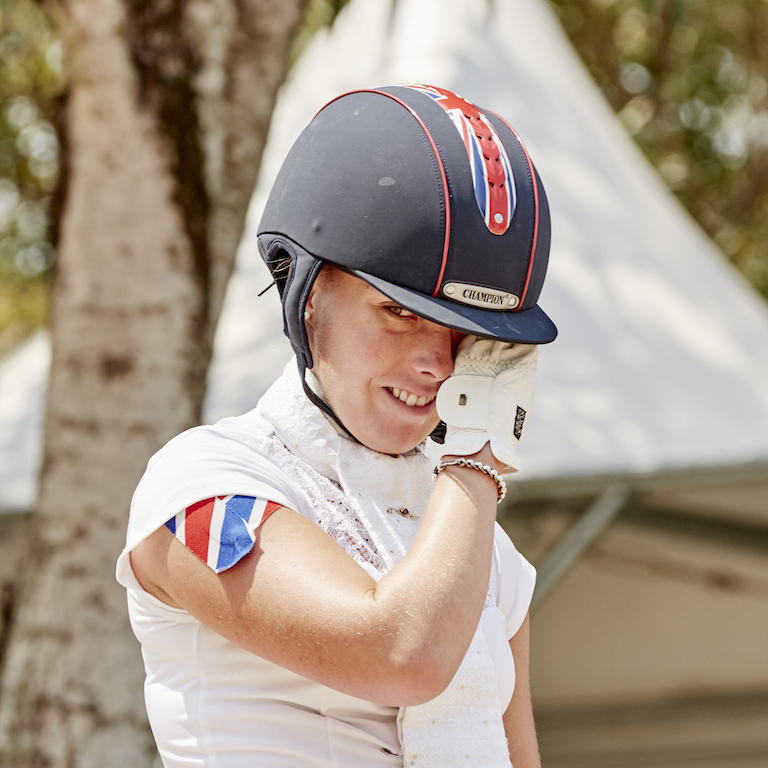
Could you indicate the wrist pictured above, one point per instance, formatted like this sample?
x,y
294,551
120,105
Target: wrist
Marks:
x,y
464,462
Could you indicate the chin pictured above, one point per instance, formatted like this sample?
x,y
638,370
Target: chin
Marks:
x,y
384,441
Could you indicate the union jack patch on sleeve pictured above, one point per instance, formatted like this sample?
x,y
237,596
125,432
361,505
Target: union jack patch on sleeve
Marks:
x,y
220,531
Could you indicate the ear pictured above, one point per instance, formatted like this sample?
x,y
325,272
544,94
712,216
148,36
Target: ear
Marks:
x,y
312,302
317,301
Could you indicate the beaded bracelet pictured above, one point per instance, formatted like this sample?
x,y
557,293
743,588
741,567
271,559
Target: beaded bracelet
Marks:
x,y
462,462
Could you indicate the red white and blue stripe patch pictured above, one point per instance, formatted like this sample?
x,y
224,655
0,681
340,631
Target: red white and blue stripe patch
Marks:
x,y
491,170
220,531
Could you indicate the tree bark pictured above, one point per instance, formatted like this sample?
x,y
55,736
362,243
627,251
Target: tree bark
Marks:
x,y
165,121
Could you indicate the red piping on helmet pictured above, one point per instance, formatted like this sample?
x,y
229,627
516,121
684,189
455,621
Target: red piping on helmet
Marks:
x,y
447,237
535,211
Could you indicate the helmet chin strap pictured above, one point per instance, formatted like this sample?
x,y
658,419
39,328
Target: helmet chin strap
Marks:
x,y
304,271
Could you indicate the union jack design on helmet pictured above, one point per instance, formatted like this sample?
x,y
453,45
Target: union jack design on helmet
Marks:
x,y
491,170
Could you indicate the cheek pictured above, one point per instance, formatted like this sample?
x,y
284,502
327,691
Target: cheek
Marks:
x,y
353,342
344,358
360,366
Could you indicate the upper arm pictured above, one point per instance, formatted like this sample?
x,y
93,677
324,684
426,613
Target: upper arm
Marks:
x,y
297,599
518,719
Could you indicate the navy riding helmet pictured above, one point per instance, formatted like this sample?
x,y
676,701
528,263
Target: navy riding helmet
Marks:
x,y
425,196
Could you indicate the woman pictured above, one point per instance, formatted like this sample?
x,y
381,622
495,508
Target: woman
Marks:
x,y
304,593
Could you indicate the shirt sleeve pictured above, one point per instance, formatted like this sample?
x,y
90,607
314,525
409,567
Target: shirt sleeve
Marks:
x,y
516,580
221,530
201,464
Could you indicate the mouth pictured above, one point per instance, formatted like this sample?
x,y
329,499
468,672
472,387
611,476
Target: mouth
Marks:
x,y
409,398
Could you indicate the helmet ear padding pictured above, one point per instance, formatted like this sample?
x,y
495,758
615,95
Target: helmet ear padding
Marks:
x,y
294,289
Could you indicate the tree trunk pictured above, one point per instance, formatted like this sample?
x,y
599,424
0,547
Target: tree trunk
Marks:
x,y
166,116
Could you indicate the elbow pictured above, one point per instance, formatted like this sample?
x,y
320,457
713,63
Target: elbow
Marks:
x,y
408,663
398,674
419,677
423,688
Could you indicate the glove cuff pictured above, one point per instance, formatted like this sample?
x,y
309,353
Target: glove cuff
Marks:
x,y
502,450
467,442
463,442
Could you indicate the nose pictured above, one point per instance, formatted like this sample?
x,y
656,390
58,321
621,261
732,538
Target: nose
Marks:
x,y
434,354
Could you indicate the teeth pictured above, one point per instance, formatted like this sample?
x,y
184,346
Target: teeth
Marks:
x,y
409,398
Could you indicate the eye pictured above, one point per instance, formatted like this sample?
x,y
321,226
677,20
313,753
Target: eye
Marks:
x,y
396,309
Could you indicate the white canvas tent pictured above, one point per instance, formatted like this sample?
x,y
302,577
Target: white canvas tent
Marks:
x,y
656,388
662,358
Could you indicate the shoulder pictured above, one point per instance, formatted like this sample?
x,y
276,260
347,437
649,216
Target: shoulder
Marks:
x,y
229,458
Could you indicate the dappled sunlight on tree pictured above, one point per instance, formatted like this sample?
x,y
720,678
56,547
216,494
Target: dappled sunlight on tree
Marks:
x,y
165,118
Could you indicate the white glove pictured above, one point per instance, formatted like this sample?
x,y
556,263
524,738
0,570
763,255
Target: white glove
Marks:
x,y
488,398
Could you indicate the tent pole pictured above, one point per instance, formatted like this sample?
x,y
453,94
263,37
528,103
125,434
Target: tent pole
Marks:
x,y
589,526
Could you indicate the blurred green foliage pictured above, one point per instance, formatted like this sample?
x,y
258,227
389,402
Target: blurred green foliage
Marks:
x,y
30,83
317,14
688,80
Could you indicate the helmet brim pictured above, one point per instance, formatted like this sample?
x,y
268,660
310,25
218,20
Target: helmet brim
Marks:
x,y
529,326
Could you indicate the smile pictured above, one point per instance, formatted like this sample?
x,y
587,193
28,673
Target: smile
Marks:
x,y
409,398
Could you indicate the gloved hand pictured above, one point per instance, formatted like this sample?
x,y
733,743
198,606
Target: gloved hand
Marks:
x,y
488,398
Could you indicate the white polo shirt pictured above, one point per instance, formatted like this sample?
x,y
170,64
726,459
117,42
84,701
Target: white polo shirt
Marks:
x,y
213,704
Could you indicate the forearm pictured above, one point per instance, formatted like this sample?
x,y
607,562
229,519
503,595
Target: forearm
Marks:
x,y
435,595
